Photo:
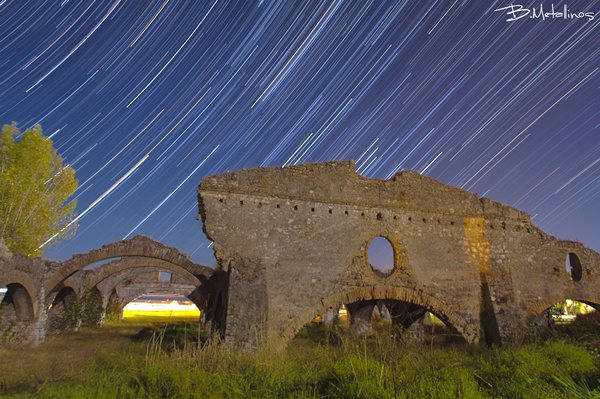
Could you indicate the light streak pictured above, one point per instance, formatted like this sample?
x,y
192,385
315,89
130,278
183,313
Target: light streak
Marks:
x,y
89,208
578,174
456,1
149,23
76,47
172,192
536,119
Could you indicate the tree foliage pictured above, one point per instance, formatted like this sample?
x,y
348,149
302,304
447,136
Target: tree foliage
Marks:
x,y
34,189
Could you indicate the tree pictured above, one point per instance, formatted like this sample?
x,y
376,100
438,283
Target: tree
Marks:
x,y
34,189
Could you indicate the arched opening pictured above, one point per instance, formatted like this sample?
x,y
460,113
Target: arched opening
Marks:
x,y
426,320
400,318
70,311
62,300
573,265
16,305
160,307
381,256
576,318
564,312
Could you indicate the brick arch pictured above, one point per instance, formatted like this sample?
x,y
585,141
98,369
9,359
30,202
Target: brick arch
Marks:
x,y
116,266
107,288
138,246
64,292
587,296
353,294
23,279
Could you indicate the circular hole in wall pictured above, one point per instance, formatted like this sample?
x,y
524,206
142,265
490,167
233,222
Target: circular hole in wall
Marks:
x,y
573,265
381,256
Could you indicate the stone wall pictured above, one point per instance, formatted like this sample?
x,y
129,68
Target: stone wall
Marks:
x,y
294,243
24,318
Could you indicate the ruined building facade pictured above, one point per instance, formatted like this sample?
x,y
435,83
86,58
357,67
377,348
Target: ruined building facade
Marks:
x,y
293,242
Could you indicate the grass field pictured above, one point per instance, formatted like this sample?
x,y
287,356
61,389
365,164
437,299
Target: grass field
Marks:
x,y
153,360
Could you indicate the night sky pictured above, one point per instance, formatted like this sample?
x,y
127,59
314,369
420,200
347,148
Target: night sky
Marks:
x,y
144,98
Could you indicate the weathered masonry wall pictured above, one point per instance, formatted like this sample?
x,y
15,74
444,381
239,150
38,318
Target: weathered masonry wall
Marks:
x,y
34,284
294,243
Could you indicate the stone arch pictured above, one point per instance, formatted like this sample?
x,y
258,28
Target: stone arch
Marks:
x,y
116,266
17,278
109,285
541,305
352,294
138,246
19,297
64,296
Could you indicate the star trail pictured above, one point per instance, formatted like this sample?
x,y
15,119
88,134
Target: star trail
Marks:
x,y
143,99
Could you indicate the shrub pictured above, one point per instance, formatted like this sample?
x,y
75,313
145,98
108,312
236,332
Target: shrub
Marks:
x,y
85,311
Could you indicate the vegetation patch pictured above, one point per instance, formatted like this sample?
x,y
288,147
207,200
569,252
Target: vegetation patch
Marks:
x,y
127,360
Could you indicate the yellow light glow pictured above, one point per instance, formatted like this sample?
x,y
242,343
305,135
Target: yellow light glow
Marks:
x,y
171,309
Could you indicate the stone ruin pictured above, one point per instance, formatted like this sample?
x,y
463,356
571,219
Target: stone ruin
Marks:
x,y
39,288
292,244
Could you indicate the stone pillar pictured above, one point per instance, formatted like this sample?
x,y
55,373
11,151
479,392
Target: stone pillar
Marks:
x,y
406,314
37,330
360,313
247,306
329,316
384,313
416,331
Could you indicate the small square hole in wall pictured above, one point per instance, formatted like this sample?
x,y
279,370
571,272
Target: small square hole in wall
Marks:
x,y
295,207
277,206
345,212
312,209
330,211
220,199
241,202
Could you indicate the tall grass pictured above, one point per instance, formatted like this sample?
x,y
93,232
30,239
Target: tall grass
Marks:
x,y
179,361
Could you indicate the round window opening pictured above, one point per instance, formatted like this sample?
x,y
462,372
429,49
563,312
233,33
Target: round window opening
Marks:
x,y
574,267
381,256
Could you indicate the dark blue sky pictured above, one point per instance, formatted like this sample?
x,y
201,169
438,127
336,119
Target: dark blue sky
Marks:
x,y
143,99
